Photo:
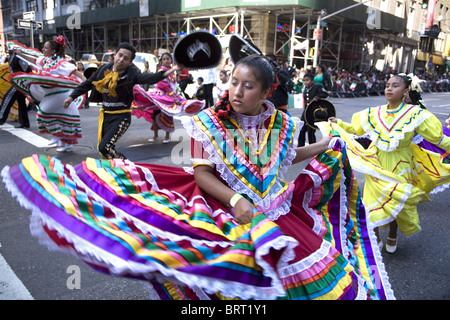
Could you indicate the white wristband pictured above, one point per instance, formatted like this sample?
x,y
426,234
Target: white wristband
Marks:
x,y
234,199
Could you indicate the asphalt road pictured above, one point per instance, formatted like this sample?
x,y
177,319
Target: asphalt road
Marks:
x,y
417,271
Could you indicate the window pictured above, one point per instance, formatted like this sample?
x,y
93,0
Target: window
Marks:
x,y
31,5
7,19
411,21
17,5
384,5
399,9
49,4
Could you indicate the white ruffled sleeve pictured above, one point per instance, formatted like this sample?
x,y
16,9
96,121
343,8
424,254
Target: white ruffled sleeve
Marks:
x,y
66,68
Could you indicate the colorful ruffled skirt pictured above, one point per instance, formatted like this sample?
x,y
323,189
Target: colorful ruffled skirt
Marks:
x,y
5,92
49,92
153,223
146,103
444,154
421,142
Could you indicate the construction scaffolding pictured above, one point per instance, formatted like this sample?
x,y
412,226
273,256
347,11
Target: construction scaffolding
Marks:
x,y
286,32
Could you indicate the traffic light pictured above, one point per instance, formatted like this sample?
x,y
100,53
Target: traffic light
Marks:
x,y
424,4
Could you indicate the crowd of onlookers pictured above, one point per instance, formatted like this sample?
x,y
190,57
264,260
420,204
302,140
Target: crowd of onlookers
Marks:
x,y
346,84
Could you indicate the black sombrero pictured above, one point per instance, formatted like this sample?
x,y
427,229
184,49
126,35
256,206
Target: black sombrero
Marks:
x,y
89,72
318,111
240,48
198,50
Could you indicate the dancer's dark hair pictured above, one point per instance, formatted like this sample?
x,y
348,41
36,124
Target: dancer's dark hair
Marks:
x,y
59,45
165,54
263,69
406,80
126,45
414,95
416,98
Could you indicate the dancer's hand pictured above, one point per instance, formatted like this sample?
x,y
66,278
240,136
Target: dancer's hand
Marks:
x,y
174,68
178,67
67,102
332,119
325,141
243,211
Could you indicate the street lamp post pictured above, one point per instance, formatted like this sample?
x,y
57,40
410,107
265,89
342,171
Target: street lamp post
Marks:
x,y
316,41
321,18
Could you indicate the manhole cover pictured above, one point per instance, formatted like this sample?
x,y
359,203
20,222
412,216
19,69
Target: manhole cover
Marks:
x,y
75,147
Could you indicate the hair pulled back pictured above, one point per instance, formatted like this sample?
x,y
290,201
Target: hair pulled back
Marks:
x,y
263,69
405,79
59,47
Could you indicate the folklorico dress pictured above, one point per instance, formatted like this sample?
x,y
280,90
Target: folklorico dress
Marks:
x,y
419,140
398,172
48,87
444,154
308,239
222,88
163,103
5,91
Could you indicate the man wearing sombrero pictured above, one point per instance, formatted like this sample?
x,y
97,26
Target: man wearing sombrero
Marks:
x,y
312,93
13,95
113,85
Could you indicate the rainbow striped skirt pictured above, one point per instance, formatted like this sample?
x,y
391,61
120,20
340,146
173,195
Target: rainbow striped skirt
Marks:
x,y
153,223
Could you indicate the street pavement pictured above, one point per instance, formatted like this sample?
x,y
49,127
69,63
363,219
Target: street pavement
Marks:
x,y
28,270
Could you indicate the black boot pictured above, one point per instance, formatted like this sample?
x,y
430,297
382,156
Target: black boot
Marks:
x,y
22,126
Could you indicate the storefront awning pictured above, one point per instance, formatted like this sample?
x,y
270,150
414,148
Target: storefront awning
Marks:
x,y
435,59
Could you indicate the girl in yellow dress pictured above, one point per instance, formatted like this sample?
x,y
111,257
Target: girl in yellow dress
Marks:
x,y
398,173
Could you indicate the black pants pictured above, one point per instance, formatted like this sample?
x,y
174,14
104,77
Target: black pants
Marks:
x,y
209,95
183,84
11,96
306,130
114,127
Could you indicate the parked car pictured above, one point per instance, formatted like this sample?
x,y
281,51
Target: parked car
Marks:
x,y
139,60
90,60
106,56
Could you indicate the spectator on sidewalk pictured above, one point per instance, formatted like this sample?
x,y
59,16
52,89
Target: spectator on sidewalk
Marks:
x,y
312,92
209,81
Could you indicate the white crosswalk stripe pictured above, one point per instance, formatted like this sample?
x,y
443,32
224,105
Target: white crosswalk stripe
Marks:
x,y
28,136
11,288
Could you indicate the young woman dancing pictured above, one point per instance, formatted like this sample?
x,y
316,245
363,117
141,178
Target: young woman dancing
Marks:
x,y
52,84
159,106
230,225
398,173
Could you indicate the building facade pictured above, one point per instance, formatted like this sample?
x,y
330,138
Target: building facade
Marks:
x,y
356,35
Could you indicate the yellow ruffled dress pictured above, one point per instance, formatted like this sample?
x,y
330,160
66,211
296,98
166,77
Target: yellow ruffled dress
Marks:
x,y
398,173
